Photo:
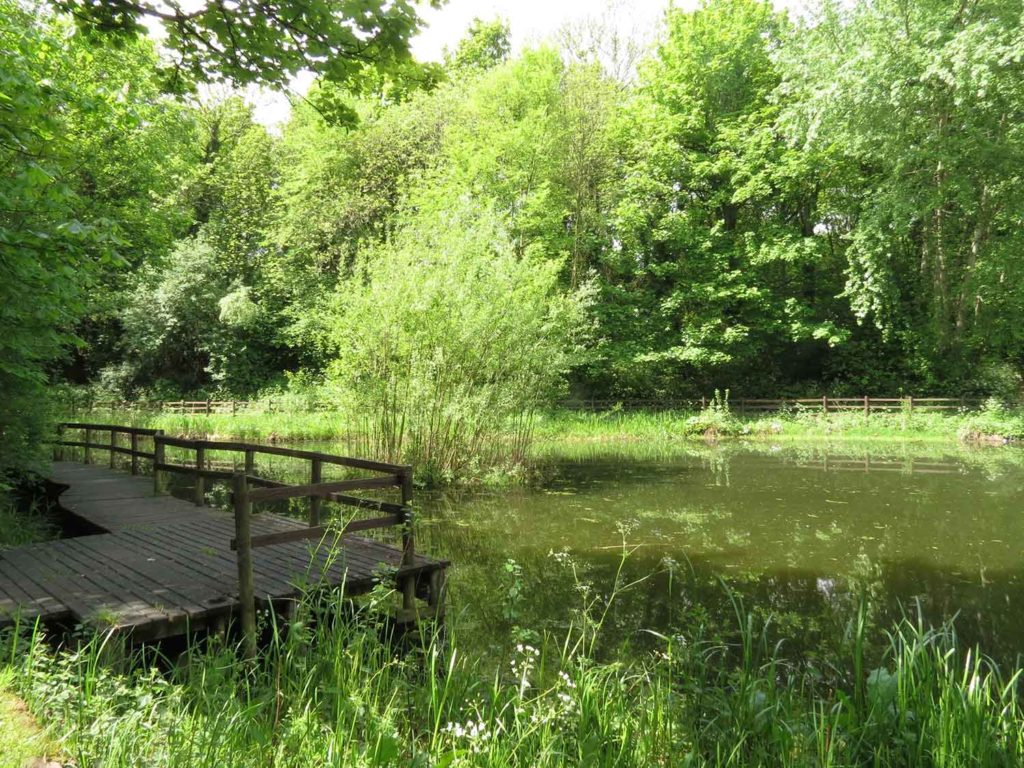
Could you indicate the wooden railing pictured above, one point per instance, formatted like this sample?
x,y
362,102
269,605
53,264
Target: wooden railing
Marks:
x,y
248,488
111,445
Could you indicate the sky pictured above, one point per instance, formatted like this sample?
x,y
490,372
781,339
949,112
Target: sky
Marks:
x,y
531,22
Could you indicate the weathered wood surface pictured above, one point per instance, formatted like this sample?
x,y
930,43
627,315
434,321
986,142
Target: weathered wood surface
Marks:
x,y
162,566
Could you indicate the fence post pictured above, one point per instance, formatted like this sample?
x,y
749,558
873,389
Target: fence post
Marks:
x,y
208,404
867,405
135,452
703,403
243,547
250,461
199,489
88,443
315,476
159,454
910,404
113,445
408,542
824,403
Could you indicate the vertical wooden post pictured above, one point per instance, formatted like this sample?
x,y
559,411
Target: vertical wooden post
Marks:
x,y
158,459
88,442
199,490
824,403
408,542
243,546
910,404
135,452
208,404
113,445
703,403
867,405
58,449
250,462
315,476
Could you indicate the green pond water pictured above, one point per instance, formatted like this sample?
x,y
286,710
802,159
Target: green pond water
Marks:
x,y
799,532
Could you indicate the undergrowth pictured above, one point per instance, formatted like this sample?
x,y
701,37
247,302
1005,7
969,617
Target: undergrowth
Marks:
x,y
330,690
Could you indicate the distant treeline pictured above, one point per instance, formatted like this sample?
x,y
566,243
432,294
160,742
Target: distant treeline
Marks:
x,y
828,203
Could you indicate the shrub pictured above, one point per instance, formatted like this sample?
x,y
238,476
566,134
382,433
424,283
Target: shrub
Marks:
x,y
447,341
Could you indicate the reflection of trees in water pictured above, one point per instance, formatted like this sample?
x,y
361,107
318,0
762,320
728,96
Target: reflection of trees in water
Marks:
x,y
906,457
809,610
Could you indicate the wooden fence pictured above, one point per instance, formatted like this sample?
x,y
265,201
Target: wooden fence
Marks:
x,y
864,404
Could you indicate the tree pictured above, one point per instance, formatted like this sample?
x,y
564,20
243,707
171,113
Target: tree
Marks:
x,y
918,106
50,245
714,225
485,45
255,41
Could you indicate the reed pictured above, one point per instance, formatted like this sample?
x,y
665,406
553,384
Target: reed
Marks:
x,y
328,690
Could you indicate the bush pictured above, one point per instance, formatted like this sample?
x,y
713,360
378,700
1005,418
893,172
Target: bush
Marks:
x,y
447,341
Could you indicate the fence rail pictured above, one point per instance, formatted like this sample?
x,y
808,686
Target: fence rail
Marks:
x,y
825,403
865,403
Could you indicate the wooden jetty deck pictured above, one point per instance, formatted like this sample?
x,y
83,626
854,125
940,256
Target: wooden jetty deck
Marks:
x,y
160,566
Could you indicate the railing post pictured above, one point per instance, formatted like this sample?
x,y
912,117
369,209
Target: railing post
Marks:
x,y
824,403
408,542
159,454
58,449
199,489
315,476
113,445
910,404
135,452
88,443
243,544
208,404
867,405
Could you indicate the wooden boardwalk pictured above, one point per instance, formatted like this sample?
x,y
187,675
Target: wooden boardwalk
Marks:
x,y
160,566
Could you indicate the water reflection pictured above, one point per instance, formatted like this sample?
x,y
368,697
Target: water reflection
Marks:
x,y
797,530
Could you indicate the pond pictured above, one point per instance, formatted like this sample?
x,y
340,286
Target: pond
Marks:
x,y
797,531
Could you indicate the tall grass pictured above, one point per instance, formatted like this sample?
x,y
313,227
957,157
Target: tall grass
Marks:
x,y
795,424
23,524
330,690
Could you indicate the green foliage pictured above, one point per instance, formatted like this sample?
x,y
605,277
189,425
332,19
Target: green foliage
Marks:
x,y
445,341
255,41
486,45
769,205
51,245
910,104
329,691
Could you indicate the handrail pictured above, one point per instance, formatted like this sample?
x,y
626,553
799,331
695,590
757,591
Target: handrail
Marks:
x,y
397,476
